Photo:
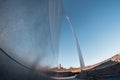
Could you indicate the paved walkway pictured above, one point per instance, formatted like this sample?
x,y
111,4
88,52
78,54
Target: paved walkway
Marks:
x,y
64,78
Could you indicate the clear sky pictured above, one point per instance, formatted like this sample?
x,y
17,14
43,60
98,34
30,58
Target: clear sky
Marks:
x,y
97,25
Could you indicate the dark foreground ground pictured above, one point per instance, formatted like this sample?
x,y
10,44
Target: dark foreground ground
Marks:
x,y
107,69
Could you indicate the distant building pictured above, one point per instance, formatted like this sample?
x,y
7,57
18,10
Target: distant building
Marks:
x,y
59,66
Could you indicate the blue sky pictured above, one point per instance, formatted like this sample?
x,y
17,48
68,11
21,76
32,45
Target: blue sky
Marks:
x,y
97,25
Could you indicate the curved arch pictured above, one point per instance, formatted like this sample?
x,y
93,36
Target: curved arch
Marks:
x,y
82,64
